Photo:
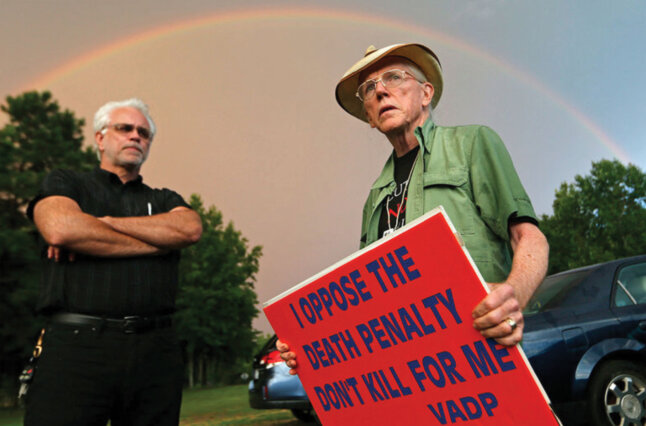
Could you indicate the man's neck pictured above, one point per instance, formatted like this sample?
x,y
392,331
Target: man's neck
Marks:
x,y
124,174
403,140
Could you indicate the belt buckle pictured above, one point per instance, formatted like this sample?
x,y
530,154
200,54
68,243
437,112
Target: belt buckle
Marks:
x,y
130,324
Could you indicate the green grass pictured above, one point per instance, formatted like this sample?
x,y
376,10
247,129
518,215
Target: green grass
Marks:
x,y
11,416
227,405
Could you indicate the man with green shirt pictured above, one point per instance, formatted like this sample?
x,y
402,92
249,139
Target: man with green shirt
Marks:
x,y
465,169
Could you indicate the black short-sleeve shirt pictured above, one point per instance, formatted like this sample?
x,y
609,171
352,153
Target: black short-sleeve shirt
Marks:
x,y
110,287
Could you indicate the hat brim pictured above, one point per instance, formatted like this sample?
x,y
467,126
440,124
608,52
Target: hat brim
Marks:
x,y
420,55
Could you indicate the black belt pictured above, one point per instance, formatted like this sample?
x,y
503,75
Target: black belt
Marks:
x,y
128,325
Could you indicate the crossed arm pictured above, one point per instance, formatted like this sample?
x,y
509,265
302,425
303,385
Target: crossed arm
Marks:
x,y
63,224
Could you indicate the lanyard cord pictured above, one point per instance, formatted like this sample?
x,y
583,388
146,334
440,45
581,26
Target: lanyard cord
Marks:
x,y
390,229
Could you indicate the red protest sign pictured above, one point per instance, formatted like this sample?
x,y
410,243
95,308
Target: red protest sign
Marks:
x,y
386,337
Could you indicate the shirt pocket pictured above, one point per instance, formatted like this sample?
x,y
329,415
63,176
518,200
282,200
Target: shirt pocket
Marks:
x,y
451,190
455,176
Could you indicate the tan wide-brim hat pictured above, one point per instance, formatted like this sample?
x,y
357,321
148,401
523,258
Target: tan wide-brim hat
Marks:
x,y
420,55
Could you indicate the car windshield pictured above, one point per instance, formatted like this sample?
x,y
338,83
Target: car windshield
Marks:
x,y
553,291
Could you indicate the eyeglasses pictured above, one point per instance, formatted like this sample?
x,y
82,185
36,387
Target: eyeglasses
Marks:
x,y
390,79
126,128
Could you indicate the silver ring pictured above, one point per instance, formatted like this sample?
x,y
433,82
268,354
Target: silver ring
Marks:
x,y
512,323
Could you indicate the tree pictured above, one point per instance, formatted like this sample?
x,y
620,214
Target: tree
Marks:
x,y
216,300
38,138
599,217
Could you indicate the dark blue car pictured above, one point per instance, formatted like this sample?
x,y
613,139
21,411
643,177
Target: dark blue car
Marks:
x,y
585,337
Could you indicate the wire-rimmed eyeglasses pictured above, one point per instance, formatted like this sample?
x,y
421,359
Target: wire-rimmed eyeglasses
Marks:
x,y
390,79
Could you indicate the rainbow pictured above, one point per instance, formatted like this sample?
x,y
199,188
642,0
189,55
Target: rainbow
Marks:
x,y
325,15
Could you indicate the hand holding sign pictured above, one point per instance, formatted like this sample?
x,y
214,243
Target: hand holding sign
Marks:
x,y
491,314
287,356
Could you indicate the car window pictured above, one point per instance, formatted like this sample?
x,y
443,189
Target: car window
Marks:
x,y
630,288
553,291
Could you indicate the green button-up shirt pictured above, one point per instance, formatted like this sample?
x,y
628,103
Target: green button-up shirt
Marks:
x,y
468,171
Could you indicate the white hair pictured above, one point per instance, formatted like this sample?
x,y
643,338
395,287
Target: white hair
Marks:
x,y
416,71
102,116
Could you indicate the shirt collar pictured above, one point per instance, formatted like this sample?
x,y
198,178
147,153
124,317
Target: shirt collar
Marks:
x,y
114,179
425,129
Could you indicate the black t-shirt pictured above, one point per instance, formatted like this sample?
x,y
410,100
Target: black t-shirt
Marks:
x,y
393,214
111,287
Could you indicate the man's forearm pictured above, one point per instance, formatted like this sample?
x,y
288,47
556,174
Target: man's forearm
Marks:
x,y
173,230
529,264
62,224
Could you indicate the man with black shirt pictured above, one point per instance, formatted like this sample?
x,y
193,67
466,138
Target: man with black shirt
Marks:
x,y
465,169
109,283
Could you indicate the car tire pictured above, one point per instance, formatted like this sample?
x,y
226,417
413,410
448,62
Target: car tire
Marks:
x,y
306,416
617,394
